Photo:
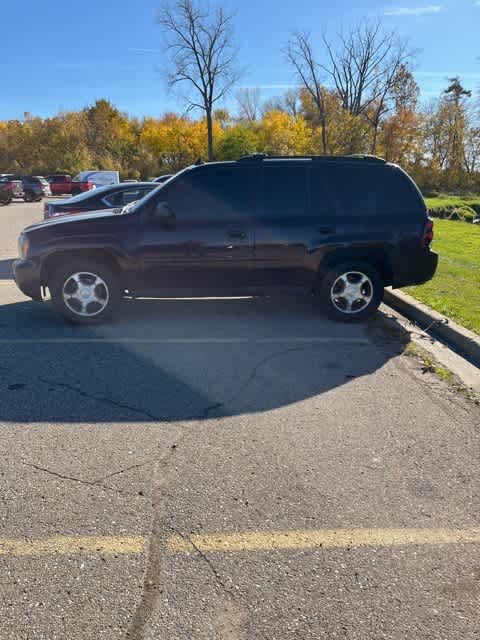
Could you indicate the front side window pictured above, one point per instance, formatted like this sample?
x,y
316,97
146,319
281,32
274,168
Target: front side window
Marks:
x,y
283,190
209,193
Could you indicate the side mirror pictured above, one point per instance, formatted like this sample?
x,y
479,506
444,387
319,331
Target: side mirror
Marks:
x,y
164,212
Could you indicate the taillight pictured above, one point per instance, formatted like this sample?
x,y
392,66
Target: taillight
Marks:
x,y
427,237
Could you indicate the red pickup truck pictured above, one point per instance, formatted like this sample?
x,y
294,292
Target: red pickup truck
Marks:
x,y
63,183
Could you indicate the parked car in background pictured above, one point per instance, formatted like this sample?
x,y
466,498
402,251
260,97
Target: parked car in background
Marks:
x,y
60,184
111,197
341,227
35,188
99,178
5,193
11,185
163,178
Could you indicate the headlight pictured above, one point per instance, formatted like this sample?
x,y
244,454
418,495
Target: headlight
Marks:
x,y
23,245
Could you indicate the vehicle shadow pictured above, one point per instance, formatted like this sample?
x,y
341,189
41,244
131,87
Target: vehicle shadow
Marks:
x,y
6,272
170,360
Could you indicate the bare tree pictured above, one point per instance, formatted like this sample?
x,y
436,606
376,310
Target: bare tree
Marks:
x,y
365,68
200,47
300,55
248,99
289,103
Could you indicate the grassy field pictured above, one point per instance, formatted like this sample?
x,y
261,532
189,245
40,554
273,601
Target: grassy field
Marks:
x,y
455,289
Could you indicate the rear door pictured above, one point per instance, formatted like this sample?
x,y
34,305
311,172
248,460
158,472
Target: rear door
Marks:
x,y
289,224
207,245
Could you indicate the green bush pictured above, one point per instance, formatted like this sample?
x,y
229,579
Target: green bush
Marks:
x,y
462,208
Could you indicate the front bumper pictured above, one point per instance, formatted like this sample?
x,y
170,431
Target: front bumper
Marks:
x,y
27,278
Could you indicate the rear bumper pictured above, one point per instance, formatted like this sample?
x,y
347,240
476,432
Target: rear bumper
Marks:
x,y
416,269
27,278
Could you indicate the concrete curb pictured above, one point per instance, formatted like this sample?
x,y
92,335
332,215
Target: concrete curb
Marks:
x,y
464,341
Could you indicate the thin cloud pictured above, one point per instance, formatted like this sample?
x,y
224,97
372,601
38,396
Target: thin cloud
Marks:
x,y
415,11
273,85
448,74
143,51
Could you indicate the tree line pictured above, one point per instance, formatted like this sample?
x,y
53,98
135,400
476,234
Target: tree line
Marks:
x,y
354,94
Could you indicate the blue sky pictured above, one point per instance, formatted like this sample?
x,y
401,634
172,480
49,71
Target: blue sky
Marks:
x,y
60,55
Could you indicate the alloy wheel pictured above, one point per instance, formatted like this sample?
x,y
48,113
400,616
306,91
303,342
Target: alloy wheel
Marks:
x,y
351,292
85,294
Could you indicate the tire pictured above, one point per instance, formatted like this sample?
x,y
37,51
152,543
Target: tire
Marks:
x,y
351,291
76,192
100,295
28,197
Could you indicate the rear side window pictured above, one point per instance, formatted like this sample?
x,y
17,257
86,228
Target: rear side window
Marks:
x,y
283,190
371,190
211,193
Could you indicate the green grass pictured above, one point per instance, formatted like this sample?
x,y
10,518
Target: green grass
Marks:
x,y
459,207
455,289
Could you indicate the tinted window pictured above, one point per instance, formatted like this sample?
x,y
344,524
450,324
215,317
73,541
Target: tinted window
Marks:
x,y
283,190
371,189
121,198
319,201
209,193
86,195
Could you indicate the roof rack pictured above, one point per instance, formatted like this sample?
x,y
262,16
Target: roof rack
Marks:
x,y
257,157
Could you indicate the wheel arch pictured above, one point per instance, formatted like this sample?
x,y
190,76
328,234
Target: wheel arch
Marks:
x,y
377,257
57,258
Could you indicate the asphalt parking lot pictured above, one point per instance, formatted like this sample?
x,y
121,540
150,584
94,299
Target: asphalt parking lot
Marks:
x,y
213,469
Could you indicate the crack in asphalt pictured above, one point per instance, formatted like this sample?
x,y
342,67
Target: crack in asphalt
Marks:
x,y
251,377
207,561
105,400
102,399
130,468
155,553
90,483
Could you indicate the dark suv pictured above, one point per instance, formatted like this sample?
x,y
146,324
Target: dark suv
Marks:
x,y
342,227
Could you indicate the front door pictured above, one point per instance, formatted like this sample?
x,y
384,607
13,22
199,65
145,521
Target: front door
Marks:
x,y
205,244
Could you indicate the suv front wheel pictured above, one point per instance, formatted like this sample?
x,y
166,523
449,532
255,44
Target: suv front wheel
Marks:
x,y
351,292
85,292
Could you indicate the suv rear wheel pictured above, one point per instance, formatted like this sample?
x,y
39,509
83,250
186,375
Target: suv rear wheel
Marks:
x,y
85,292
351,291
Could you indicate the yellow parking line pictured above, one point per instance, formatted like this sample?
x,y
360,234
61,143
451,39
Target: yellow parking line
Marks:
x,y
72,545
133,340
321,538
236,542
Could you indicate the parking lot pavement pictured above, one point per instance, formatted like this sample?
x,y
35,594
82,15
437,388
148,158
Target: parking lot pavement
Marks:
x,y
228,469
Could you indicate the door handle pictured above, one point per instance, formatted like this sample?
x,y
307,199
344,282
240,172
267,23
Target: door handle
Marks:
x,y
237,233
327,230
